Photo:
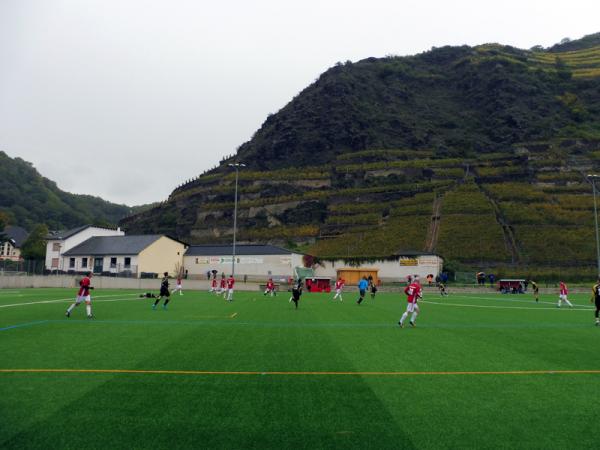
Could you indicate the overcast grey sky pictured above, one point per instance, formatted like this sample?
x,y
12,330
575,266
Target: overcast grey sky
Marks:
x,y
125,99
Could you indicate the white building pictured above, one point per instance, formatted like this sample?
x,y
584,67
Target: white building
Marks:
x,y
256,262
396,268
59,242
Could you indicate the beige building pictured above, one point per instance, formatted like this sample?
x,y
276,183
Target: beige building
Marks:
x,y
134,255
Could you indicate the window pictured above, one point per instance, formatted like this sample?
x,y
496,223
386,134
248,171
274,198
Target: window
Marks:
x,y
127,262
56,247
54,264
71,263
84,262
113,263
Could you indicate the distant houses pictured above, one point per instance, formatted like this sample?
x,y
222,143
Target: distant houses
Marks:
x,y
11,248
109,252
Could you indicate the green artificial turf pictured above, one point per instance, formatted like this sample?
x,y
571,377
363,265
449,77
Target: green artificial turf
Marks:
x,y
330,374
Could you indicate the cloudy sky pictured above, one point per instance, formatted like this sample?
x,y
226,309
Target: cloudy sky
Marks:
x,y
125,99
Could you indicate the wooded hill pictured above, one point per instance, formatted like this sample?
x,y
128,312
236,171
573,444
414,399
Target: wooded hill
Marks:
x,y
476,153
27,198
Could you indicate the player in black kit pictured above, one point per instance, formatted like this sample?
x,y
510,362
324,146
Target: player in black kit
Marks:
x,y
296,292
164,291
596,299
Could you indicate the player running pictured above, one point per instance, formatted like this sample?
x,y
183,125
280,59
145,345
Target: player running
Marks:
x,y
178,286
413,294
339,286
296,292
362,289
270,288
596,299
442,288
562,297
83,295
230,284
164,291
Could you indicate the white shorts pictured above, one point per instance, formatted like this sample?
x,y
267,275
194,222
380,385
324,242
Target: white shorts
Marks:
x,y
178,287
338,291
563,297
83,298
412,307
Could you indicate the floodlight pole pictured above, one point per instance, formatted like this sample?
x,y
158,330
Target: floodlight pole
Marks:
x,y
236,166
592,179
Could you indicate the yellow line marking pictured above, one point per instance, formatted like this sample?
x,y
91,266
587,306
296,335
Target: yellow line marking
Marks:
x,y
224,372
233,315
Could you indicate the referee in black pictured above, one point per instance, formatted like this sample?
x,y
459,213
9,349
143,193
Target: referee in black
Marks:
x,y
596,299
164,291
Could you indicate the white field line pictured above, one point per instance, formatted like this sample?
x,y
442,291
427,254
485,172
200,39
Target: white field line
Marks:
x,y
533,302
71,299
460,305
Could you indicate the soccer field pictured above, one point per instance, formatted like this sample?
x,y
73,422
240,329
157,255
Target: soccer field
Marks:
x,y
479,371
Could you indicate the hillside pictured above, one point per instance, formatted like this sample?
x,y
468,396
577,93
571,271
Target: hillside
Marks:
x,y
29,198
477,153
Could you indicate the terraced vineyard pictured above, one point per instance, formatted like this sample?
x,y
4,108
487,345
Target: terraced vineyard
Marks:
x,y
478,154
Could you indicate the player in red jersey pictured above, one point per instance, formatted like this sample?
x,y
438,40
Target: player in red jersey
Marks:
x,y
178,286
339,286
223,286
270,288
230,284
213,285
562,296
83,295
413,294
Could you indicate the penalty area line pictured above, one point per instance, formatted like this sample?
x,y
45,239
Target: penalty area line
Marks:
x,y
462,305
303,373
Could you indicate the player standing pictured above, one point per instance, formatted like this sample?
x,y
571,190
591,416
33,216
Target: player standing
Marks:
x,y
362,289
83,295
536,290
296,292
563,295
230,284
223,286
178,286
596,299
413,294
213,285
270,288
339,285
164,291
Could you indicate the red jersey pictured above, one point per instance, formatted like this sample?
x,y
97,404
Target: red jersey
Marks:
x,y
84,287
179,280
563,289
413,292
339,284
230,282
223,282
214,283
270,285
